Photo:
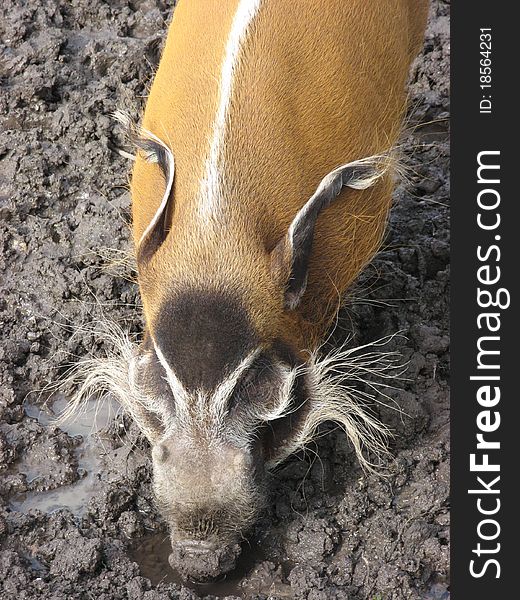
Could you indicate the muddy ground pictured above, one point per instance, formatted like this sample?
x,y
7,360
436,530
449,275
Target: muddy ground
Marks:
x,y
77,518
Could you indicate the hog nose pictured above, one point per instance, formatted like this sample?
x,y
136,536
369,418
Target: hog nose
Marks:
x,y
202,561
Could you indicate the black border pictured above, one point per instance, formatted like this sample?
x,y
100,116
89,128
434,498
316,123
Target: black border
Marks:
x,y
471,133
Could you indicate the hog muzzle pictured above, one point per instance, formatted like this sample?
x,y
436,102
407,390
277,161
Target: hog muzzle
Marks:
x,y
201,561
209,493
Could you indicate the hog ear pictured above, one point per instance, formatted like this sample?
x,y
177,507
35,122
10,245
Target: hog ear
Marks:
x,y
290,257
153,150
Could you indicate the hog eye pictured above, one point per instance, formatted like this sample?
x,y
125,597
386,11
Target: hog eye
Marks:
x,y
257,373
242,392
258,389
249,378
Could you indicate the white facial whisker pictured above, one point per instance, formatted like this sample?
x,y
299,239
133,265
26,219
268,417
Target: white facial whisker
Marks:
x,y
285,396
180,394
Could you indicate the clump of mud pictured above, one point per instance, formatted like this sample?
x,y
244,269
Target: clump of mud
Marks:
x,y
77,516
207,565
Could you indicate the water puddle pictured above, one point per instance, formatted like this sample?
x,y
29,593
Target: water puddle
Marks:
x,y
151,554
439,590
89,425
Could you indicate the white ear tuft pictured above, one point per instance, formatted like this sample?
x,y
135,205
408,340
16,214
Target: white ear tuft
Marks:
x,y
154,151
296,246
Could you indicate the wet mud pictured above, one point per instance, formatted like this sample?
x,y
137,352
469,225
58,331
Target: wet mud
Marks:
x,y
77,514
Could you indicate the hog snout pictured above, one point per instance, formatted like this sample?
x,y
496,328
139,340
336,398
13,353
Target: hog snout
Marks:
x,y
202,561
204,545
210,497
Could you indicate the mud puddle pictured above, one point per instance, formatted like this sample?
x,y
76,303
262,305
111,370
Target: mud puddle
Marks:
x,y
252,575
90,424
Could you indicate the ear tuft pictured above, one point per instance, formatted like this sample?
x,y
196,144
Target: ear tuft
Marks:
x,y
290,257
154,151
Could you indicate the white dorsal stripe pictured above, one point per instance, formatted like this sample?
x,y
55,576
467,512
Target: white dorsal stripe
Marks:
x,y
246,11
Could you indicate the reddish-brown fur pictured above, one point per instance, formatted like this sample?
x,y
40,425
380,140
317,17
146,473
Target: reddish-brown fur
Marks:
x,y
319,84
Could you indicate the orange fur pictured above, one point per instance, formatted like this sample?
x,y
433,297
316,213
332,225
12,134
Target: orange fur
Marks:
x,y
319,83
